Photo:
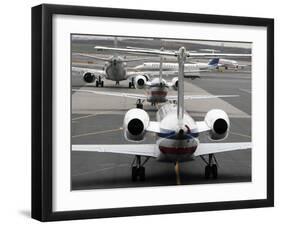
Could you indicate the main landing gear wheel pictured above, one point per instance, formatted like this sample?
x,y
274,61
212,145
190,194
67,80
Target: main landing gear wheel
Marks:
x,y
139,104
138,170
211,169
131,84
99,82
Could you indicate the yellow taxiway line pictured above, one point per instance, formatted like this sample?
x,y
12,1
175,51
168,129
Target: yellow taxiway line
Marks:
x,y
177,171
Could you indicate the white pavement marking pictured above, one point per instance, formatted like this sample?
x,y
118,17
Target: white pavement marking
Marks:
x,y
100,170
82,117
246,91
240,134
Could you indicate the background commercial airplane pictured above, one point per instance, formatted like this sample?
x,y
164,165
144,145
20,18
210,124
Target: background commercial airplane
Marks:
x,y
176,131
115,69
188,67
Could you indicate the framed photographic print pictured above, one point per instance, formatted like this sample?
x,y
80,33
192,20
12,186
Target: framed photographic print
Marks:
x,y
147,112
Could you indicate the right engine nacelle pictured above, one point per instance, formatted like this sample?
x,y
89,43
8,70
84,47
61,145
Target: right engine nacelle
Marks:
x,y
175,83
218,121
135,123
140,81
89,77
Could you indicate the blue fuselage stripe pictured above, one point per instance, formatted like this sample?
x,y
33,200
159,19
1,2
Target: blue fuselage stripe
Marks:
x,y
173,135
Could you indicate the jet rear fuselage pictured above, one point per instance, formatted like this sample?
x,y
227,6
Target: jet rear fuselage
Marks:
x,y
174,145
157,94
115,70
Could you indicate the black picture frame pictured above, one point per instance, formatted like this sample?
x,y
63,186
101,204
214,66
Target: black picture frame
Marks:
x,y
42,111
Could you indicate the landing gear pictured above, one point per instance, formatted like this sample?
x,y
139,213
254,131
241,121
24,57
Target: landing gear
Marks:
x,y
99,82
117,83
139,104
138,170
211,169
131,84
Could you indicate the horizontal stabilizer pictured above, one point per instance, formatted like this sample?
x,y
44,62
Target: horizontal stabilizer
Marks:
x,y
212,148
200,97
93,57
128,149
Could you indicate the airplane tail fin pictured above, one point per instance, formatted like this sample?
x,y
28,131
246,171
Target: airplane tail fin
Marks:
x,y
161,67
214,62
115,45
180,106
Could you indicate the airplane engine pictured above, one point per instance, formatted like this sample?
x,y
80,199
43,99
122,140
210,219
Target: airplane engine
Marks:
x,y
175,83
89,77
140,81
135,123
147,78
218,121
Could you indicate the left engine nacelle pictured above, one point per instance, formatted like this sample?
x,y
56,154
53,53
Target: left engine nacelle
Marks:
x,y
218,121
175,83
89,77
135,123
140,81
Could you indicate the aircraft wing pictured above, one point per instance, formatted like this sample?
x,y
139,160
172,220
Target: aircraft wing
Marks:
x,y
168,53
128,149
212,148
153,127
200,97
136,59
93,57
202,126
116,94
91,70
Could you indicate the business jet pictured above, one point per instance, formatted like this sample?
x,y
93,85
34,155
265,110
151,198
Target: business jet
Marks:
x,y
176,131
225,64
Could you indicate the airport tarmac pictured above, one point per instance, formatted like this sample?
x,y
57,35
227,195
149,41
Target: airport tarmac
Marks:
x,y
98,119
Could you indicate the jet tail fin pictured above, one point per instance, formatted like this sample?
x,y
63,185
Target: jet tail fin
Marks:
x,y
180,107
214,62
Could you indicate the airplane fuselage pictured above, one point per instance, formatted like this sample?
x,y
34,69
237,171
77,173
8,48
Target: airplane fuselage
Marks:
x,y
115,70
157,91
174,146
155,66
